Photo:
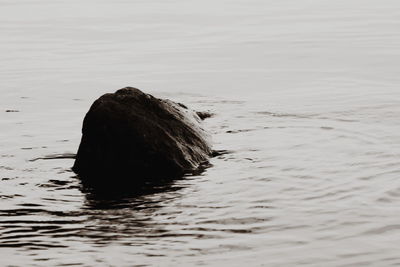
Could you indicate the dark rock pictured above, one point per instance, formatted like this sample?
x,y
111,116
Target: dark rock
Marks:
x,y
133,137
204,114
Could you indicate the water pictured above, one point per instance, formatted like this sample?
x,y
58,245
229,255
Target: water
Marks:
x,y
306,96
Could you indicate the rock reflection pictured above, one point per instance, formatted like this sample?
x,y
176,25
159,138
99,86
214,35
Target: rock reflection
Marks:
x,y
121,214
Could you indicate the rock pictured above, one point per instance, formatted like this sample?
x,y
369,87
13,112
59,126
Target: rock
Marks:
x,y
204,115
133,137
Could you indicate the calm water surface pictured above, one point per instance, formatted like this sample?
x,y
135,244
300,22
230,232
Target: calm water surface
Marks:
x,y
307,100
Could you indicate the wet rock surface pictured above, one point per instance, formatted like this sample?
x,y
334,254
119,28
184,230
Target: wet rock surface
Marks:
x,y
132,137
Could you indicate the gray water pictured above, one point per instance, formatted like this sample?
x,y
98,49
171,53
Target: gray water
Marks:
x,y
306,96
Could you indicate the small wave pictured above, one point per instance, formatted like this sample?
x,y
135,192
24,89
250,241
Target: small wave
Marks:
x,y
56,156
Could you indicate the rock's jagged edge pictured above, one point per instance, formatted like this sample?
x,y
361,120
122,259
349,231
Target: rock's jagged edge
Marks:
x,y
132,137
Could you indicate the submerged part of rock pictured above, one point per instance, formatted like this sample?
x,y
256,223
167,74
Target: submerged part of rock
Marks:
x,y
134,137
